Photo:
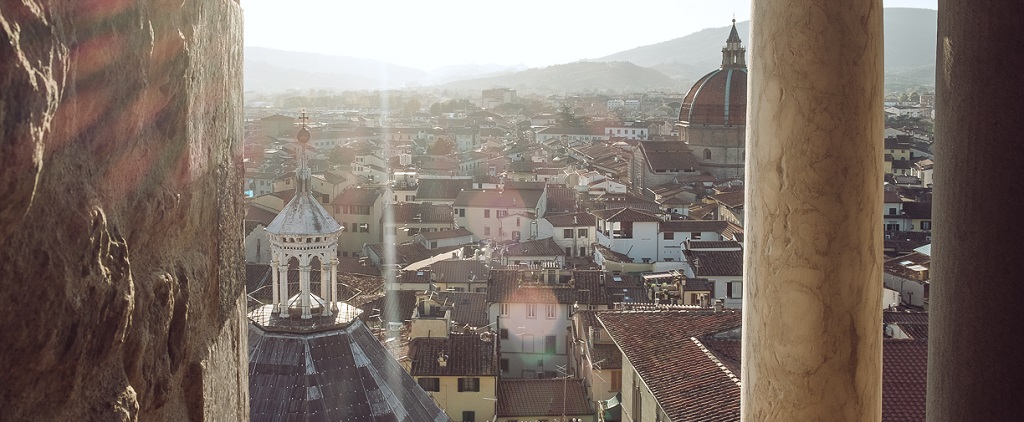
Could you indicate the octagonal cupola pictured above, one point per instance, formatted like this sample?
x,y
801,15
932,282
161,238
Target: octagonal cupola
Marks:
x,y
304,235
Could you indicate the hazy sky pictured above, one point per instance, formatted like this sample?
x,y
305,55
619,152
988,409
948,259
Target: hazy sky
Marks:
x,y
428,34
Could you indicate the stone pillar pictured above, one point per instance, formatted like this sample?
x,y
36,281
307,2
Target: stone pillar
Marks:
x,y
334,282
326,286
974,368
324,280
275,286
813,257
284,287
304,290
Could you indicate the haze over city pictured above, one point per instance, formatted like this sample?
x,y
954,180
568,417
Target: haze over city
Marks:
x,y
533,33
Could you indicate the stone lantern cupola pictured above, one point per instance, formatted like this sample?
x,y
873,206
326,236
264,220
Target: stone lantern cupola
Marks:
x,y
734,55
304,233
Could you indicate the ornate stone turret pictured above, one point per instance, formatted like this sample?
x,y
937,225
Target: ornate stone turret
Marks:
x,y
734,55
304,232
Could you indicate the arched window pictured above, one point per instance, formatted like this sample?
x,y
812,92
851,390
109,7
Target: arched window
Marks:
x,y
707,154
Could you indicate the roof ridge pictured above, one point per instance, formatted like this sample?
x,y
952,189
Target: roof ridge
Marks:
x,y
714,359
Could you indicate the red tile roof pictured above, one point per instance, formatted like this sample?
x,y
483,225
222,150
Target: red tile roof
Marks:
x,y
467,355
904,379
684,376
542,397
717,263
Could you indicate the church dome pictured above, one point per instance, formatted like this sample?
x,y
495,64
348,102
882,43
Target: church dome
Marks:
x,y
720,97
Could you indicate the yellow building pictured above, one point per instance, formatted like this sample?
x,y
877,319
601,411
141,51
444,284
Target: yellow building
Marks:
x,y
459,371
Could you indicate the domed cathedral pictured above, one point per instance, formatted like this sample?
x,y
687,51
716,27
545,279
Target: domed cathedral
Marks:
x,y
713,116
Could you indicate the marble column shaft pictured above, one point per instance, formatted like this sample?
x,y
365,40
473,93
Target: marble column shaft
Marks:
x,y
275,286
284,288
813,255
304,290
974,335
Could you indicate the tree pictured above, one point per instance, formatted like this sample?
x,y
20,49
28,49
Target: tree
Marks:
x,y
567,118
442,146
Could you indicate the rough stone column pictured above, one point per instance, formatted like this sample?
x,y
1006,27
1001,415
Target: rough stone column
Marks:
x,y
813,256
120,203
974,335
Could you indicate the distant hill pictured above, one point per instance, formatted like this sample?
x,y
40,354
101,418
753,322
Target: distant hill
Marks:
x,y
909,48
579,77
270,70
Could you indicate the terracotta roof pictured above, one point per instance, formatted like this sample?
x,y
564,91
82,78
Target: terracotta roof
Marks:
x,y
467,355
606,356
441,188
730,199
668,155
542,397
723,228
579,219
494,198
610,255
260,214
561,199
904,379
409,253
542,247
716,263
460,271
624,215
682,374
357,196
467,308
892,197
411,213
446,234
585,287
713,244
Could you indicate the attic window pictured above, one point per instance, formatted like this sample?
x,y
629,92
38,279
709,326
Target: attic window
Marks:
x,y
618,279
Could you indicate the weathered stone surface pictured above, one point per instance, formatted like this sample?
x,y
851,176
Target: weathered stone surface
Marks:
x,y
812,347
120,270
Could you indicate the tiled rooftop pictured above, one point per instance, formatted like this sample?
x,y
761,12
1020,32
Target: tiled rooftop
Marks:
x,y
467,355
542,397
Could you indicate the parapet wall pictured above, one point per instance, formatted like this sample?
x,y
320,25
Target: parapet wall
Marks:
x,y
120,172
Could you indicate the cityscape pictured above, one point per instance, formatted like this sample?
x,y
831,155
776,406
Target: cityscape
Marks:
x,y
510,212
532,256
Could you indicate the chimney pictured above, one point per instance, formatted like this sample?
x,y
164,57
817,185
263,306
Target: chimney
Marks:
x,y
719,305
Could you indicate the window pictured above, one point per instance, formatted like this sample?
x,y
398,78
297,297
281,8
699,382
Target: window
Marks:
x,y
734,289
616,380
468,416
504,365
531,310
462,212
695,235
707,154
517,222
487,213
469,384
550,311
433,245
430,384
583,251
528,344
581,233
549,344
567,233
502,213
503,333
670,236
926,225
892,211
487,231
504,309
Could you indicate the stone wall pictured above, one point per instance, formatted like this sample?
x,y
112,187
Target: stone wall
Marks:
x,y
121,262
